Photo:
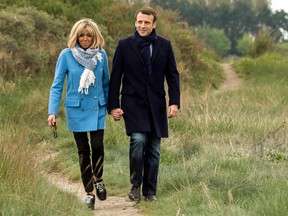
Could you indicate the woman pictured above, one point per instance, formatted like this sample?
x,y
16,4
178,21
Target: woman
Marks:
x,y
84,64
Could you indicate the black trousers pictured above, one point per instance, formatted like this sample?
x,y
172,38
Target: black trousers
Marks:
x,y
91,156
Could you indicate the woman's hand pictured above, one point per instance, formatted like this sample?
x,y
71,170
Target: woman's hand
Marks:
x,y
51,120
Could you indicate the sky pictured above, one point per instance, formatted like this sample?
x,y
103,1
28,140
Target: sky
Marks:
x,y
279,4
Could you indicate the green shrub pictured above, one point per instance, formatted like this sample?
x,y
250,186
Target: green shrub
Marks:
x,y
34,38
30,41
263,43
244,44
264,69
215,39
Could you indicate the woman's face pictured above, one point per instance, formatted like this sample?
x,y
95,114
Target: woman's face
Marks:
x,y
85,39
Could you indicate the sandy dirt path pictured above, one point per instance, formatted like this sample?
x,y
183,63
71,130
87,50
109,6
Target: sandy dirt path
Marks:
x,y
113,206
232,81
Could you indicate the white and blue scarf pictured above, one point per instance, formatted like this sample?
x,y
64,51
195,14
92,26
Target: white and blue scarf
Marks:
x,y
88,59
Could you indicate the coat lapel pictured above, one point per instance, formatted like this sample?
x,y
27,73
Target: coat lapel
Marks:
x,y
155,50
133,43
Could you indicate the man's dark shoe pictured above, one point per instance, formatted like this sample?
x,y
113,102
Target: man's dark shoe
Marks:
x,y
101,190
150,198
90,201
134,194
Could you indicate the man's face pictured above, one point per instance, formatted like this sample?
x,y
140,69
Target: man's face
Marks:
x,y
144,24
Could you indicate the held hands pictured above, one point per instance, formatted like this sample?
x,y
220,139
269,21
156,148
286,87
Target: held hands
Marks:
x,y
116,114
172,111
51,120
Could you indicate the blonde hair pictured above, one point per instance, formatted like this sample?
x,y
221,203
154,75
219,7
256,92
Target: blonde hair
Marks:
x,y
92,28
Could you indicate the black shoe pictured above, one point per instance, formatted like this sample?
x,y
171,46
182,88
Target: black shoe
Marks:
x,y
134,194
101,190
90,201
150,198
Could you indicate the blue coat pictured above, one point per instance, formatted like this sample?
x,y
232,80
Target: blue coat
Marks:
x,y
83,112
143,96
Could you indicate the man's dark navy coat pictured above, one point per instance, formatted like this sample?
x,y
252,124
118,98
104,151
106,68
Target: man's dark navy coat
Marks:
x,y
143,96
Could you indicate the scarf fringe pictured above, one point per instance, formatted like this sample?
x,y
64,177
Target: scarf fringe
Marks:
x,y
87,79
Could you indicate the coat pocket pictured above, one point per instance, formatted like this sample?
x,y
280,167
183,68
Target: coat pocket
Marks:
x,y
72,103
102,101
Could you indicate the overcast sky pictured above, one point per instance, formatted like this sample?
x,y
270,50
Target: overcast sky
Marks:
x,y
279,4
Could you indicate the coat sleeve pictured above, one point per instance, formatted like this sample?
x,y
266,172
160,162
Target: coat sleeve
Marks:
x,y
172,77
106,75
57,85
115,79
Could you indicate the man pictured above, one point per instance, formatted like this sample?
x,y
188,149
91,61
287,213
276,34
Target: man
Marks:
x,y
141,63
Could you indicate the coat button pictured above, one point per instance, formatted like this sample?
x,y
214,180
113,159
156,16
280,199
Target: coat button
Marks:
x,y
95,108
81,99
95,97
82,110
94,86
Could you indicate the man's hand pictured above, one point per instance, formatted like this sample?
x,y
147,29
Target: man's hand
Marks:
x,y
172,111
116,114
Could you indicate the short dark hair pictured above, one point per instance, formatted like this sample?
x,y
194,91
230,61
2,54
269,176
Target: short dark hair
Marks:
x,y
147,11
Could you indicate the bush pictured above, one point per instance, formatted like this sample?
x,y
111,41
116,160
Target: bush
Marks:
x,y
244,45
34,38
215,39
263,43
30,41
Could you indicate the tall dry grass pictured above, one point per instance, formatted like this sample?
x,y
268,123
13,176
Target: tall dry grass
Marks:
x,y
24,189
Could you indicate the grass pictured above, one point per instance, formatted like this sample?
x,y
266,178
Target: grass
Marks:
x,y
282,47
24,189
226,154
